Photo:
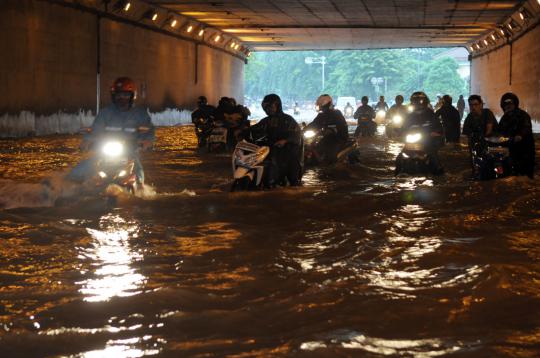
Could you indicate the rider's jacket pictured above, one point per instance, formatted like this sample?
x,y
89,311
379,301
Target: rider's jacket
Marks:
x,y
477,124
396,109
364,111
113,120
422,117
279,126
516,122
206,112
381,106
331,118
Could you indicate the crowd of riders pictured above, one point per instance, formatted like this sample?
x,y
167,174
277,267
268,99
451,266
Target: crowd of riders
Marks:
x,y
285,138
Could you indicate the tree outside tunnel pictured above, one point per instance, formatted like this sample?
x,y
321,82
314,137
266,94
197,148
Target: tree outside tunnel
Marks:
x,y
352,73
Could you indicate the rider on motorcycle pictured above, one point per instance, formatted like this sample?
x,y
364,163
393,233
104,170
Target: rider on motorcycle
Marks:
x,y
396,115
516,124
283,135
423,115
451,121
119,117
331,121
381,105
234,117
480,122
364,113
202,118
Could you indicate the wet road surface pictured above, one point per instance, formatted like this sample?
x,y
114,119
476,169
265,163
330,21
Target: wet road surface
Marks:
x,y
355,262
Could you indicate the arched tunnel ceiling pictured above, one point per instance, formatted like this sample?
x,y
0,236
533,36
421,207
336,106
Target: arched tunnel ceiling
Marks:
x,y
265,25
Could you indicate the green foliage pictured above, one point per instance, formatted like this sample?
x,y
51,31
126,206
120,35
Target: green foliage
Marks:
x,y
350,73
441,78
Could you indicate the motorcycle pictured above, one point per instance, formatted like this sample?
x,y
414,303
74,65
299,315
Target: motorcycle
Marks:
x,y
348,112
393,126
217,139
203,130
322,146
115,161
380,116
365,128
247,165
414,158
491,158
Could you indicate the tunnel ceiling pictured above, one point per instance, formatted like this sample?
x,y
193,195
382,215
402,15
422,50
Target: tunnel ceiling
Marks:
x,y
348,24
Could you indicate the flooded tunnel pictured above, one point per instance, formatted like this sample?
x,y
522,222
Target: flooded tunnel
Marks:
x,y
354,262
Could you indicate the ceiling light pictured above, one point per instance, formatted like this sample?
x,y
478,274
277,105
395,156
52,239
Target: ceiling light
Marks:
x,y
524,14
217,38
189,28
486,42
151,15
173,23
122,5
201,32
512,25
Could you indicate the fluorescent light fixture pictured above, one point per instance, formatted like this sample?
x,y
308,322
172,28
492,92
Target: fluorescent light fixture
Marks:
x,y
189,28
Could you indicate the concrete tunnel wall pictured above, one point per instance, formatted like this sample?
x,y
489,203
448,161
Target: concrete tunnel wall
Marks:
x,y
48,64
514,68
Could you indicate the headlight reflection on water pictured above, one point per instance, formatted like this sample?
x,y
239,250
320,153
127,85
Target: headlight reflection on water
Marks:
x,y
111,253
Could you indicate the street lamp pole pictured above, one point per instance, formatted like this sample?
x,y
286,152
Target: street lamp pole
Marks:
x,y
322,61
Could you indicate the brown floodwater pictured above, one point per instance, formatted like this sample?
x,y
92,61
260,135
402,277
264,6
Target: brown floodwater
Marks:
x,y
355,262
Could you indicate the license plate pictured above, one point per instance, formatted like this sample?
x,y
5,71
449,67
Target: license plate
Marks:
x,y
499,150
217,138
413,146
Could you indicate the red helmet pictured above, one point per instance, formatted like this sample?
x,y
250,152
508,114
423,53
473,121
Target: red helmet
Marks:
x,y
124,84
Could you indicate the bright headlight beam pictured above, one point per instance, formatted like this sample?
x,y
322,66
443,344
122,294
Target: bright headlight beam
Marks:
x,y
309,134
413,138
113,149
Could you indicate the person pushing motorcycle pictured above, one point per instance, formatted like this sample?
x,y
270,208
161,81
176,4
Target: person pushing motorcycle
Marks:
x,y
283,135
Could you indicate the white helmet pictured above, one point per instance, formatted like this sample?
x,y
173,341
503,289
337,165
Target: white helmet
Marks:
x,y
324,100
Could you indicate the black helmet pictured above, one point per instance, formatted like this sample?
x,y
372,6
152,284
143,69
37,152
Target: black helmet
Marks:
x,y
399,99
419,99
201,101
447,99
270,99
365,99
509,97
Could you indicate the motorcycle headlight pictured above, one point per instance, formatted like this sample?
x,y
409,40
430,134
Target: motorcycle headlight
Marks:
x,y
309,134
122,173
397,119
413,138
113,149
410,108
381,113
102,175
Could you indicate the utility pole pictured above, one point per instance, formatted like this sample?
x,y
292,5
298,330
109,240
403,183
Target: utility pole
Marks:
x,y
322,61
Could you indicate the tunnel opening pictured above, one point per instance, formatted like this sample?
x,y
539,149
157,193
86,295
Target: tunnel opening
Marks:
x,y
299,77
